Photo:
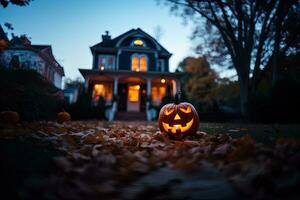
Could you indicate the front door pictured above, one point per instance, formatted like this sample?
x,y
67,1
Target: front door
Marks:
x,y
133,98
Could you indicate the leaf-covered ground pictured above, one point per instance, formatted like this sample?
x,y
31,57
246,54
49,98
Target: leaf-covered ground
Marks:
x,y
133,160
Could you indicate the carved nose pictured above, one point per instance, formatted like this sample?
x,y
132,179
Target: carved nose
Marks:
x,y
177,117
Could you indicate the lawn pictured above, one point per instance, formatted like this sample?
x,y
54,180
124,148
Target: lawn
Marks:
x,y
133,160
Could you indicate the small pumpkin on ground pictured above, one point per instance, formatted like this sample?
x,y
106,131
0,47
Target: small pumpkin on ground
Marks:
x,y
9,118
178,119
63,117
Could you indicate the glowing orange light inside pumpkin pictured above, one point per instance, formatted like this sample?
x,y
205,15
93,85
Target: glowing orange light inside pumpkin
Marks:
x,y
177,117
168,112
187,110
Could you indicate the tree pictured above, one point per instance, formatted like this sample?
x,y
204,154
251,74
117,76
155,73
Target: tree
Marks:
x,y
248,32
5,3
200,81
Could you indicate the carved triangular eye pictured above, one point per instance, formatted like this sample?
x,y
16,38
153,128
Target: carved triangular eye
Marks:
x,y
177,117
186,110
168,112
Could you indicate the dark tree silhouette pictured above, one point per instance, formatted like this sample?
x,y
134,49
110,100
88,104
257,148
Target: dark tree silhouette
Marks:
x,y
5,3
250,33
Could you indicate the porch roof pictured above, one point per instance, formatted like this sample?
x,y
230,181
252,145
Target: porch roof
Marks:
x,y
119,73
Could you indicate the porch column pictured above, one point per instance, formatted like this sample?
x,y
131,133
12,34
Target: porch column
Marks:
x,y
148,87
116,86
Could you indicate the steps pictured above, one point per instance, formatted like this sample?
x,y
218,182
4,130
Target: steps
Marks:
x,y
131,116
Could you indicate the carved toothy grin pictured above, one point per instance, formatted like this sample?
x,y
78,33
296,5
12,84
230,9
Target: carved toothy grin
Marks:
x,y
176,127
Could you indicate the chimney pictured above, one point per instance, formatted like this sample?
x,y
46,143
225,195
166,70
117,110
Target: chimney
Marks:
x,y
106,37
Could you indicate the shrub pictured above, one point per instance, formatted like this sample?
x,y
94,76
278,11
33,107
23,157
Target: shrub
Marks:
x,y
30,94
83,109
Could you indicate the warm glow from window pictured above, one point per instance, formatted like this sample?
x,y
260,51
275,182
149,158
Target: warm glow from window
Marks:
x,y
104,90
158,93
99,90
139,63
143,64
135,63
138,42
162,93
133,93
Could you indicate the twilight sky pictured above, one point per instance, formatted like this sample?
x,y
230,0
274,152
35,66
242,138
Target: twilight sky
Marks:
x,y
72,26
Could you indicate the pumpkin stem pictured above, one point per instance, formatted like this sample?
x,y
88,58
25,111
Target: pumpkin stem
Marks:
x,y
177,97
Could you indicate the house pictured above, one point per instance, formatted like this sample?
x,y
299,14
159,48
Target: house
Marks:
x,y
130,72
71,94
20,53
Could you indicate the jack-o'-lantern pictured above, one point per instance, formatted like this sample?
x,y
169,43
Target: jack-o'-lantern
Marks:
x,y
178,119
63,117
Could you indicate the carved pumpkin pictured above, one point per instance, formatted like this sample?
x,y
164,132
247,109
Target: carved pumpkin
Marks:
x,y
63,117
9,118
178,119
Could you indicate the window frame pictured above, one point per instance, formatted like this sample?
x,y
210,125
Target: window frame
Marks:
x,y
107,56
161,65
139,56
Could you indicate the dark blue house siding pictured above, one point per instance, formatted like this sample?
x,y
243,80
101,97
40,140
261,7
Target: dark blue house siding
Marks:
x,y
166,65
125,60
95,62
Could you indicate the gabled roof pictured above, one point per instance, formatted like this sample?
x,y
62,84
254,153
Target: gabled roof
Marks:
x,y
41,47
112,44
44,51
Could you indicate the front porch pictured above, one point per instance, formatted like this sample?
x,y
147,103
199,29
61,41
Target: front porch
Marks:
x,y
130,91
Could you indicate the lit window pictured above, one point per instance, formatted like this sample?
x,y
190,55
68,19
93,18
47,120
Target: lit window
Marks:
x,y
135,63
139,63
138,42
133,93
143,63
157,94
104,90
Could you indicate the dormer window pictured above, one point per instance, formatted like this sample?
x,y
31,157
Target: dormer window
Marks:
x,y
138,43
